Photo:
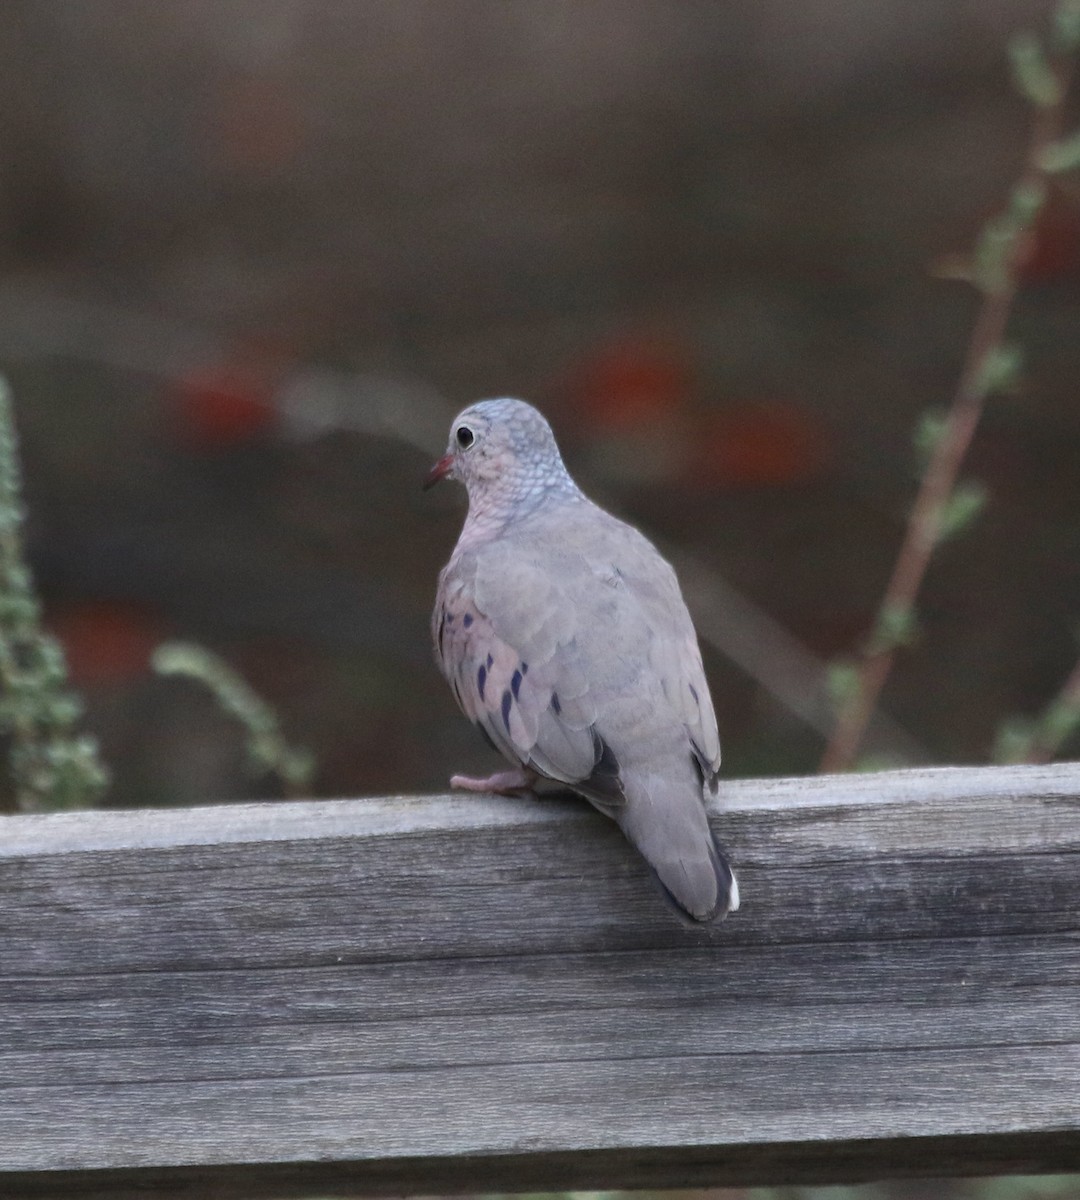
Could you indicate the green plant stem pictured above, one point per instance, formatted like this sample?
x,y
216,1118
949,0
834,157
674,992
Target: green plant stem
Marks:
x,y
266,747
924,522
1049,735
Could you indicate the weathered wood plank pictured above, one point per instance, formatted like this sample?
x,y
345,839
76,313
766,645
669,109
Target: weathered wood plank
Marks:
x,y
446,992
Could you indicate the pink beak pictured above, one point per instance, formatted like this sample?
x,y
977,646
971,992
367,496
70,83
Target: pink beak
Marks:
x,y
439,471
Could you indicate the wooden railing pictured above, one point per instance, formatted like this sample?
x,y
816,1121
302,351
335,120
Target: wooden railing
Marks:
x,y
424,994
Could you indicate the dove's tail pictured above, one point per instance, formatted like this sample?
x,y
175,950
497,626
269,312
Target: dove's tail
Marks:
x,y
673,835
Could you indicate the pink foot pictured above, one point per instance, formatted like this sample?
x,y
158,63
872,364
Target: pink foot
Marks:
x,y
504,783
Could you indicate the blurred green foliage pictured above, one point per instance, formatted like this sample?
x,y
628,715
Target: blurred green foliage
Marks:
x,y
52,765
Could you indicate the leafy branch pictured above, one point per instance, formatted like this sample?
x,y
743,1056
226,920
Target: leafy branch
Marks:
x,y
945,505
1034,741
52,766
267,749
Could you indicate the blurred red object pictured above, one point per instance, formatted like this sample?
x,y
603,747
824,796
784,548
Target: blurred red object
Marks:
x,y
1054,251
218,408
766,444
105,642
632,382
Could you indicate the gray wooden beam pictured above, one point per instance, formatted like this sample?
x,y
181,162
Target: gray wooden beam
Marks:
x,y
440,993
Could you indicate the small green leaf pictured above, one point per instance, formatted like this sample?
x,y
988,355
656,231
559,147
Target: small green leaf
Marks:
x,y
960,510
929,432
842,681
17,579
1067,26
1025,200
1032,74
18,610
1014,740
992,267
897,625
50,660
63,711
297,767
1059,722
1001,369
1061,156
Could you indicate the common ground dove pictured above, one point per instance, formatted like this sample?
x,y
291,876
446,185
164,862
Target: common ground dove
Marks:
x,y
565,638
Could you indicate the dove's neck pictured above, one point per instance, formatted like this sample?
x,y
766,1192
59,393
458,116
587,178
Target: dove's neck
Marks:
x,y
496,506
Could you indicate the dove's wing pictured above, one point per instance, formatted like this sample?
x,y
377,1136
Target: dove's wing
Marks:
x,y
559,664
512,661
674,653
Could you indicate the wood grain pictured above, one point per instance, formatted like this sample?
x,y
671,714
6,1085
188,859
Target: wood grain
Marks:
x,y
420,994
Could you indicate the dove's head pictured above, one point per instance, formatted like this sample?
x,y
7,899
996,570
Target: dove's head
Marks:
x,y
504,452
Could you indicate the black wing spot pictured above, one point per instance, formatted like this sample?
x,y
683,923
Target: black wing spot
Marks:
x,y
481,679
507,700
515,683
467,620
707,774
693,692
556,707
604,780
490,662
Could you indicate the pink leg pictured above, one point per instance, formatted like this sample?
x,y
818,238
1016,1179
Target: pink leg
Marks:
x,y
504,783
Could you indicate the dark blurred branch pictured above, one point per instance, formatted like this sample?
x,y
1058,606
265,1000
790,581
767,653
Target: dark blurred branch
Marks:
x,y
940,507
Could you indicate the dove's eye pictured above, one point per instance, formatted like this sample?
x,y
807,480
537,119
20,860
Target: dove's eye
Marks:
x,y
465,437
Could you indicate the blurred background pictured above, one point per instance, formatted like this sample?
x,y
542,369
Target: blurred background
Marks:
x,y
257,253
